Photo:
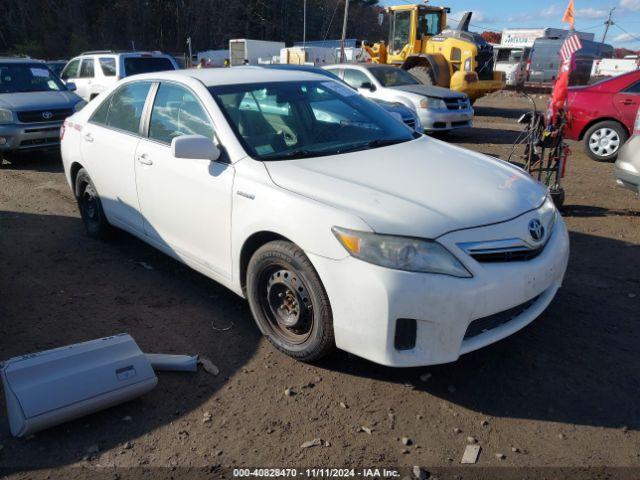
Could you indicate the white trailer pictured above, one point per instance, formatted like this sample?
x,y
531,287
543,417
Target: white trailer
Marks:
x,y
244,51
611,67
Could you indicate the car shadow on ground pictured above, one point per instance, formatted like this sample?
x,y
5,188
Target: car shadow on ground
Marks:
x,y
588,211
508,113
37,161
577,364
481,135
59,287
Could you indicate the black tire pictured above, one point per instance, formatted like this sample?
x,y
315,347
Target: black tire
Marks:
x,y
424,74
90,205
289,302
558,196
600,139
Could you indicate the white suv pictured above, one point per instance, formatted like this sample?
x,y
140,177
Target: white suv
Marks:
x,y
94,72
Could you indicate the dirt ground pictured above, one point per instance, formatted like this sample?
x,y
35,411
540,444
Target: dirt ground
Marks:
x,y
561,395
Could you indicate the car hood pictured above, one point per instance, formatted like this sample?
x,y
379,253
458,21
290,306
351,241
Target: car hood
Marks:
x,y
429,91
38,100
423,188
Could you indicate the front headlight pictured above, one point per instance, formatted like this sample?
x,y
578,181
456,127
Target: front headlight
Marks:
x,y
79,106
401,253
467,65
6,116
435,103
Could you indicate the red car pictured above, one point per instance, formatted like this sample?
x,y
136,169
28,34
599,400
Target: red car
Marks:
x,y
602,114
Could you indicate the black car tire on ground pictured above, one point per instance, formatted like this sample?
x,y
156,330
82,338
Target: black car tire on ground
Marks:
x,y
613,131
289,302
91,211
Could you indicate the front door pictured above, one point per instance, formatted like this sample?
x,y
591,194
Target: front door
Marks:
x,y
627,102
186,203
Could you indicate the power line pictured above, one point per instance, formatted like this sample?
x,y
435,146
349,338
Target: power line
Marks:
x,y
636,38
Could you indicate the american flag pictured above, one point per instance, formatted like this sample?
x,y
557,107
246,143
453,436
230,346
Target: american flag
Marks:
x,y
570,46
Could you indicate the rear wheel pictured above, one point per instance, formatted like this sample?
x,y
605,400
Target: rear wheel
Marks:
x,y
603,141
289,302
93,217
424,74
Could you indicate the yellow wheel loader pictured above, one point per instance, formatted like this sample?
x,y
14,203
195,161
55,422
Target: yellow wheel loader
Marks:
x,y
457,59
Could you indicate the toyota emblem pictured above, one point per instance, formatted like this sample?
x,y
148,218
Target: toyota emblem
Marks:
x,y
536,230
47,115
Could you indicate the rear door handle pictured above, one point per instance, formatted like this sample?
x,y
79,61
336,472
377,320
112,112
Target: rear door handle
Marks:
x,y
628,101
88,138
144,159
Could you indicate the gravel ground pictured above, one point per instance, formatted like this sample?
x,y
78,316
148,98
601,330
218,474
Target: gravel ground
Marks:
x,y
561,393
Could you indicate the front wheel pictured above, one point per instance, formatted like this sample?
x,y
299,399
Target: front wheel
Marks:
x,y
603,141
289,302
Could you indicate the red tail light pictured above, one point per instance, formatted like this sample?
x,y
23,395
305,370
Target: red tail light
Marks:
x,y
62,130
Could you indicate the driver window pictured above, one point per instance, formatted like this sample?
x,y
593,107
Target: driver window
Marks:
x,y
176,112
429,24
71,70
355,78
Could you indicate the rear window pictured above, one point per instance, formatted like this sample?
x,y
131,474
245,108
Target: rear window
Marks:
x,y
136,65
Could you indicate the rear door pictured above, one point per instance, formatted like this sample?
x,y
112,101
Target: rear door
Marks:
x,y
108,146
186,203
627,101
85,78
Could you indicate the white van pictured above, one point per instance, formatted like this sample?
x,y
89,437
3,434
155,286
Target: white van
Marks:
x,y
93,72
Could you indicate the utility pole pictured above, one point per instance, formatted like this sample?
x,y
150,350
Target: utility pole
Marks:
x,y
608,23
190,57
344,30
304,24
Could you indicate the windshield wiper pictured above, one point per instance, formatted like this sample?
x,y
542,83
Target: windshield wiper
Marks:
x,y
380,142
299,153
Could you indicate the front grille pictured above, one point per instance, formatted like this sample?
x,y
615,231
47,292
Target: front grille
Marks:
x,y
458,103
33,116
482,325
507,255
40,141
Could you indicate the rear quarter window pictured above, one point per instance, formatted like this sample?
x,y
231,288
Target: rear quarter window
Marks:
x,y
137,65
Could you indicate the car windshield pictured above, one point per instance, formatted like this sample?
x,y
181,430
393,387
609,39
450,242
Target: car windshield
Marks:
x,y
136,65
285,120
28,77
393,77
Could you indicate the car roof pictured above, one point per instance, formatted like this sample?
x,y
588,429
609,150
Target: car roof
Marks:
x,y
19,60
235,75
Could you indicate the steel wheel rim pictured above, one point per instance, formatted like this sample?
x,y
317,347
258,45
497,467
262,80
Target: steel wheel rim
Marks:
x,y
89,202
286,304
604,142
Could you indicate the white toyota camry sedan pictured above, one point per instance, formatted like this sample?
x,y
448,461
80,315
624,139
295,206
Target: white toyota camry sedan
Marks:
x,y
339,225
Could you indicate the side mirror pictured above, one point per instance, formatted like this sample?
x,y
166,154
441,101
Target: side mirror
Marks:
x,y
195,147
368,86
71,86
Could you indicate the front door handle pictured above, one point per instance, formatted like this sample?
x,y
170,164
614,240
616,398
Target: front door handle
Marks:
x,y
88,138
144,159
628,101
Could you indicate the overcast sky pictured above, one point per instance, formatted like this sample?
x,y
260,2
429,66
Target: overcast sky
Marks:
x,y
590,16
